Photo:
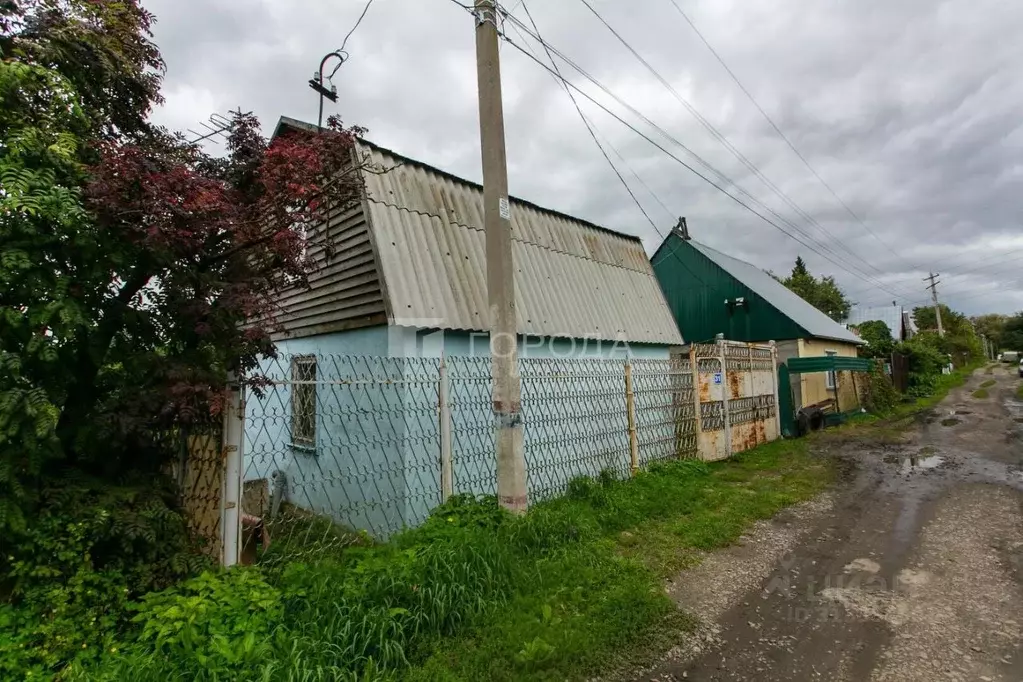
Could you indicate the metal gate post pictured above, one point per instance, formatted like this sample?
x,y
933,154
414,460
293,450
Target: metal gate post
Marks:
x,y
724,398
231,490
447,478
774,388
630,407
694,366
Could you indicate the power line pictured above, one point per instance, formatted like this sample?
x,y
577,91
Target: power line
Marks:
x,y
1009,262
357,22
720,137
851,269
778,130
590,127
986,263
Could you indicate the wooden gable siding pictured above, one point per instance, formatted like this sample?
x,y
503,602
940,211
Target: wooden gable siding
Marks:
x,y
344,281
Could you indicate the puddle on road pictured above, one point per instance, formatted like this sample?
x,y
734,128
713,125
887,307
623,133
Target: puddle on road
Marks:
x,y
911,464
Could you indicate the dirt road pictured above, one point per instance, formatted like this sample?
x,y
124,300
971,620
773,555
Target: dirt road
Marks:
x,y
912,569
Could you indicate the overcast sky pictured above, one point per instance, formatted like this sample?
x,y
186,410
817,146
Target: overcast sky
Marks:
x,y
910,110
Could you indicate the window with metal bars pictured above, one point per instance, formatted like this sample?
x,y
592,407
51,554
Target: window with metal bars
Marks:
x,y
303,400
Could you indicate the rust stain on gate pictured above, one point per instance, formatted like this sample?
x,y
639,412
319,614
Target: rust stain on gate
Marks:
x,y
734,384
704,389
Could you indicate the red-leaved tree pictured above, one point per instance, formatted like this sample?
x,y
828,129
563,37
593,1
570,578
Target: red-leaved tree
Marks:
x,y
136,271
200,249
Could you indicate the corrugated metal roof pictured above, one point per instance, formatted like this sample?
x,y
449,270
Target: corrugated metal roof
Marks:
x,y
572,278
891,315
816,323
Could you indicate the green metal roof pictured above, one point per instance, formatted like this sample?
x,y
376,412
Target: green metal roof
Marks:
x,y
828,363
711,293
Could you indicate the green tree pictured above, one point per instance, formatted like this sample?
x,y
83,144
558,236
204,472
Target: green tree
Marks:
x,y
960,341
926,361
1012,333
992,326
822,293
878,337
135,271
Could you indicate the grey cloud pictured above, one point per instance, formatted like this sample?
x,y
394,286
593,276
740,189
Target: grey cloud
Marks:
x,y
908,109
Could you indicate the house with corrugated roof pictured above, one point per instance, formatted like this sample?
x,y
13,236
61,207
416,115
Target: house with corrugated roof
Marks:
x,y
412,256
711,293
400,280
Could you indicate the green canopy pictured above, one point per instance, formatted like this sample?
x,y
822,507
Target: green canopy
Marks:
x,y
828,363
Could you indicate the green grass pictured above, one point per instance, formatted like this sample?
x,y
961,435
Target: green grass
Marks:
x,y
891,427
980,394
654,525
988,384
1019,391
561,593
943,385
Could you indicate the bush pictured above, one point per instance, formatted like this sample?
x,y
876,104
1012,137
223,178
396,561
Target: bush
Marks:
x,y
70,575
881,397
473,593
75,620
926,363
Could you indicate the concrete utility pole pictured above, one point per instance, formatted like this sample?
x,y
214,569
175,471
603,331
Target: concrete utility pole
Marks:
x,y
933,286
507,389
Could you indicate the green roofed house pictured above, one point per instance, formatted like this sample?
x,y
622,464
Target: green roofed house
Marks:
x,y
711,293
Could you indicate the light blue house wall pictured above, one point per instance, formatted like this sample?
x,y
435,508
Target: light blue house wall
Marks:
x,y
376,462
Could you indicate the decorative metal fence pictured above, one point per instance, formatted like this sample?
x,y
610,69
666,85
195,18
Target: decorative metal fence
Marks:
x,y
199,473
337,448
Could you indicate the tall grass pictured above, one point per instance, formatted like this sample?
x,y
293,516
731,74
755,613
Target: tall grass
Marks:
x,y
476,594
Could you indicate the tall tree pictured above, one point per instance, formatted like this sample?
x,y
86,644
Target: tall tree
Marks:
x,y
960,341
135,271
1012,335
878,337
992,326
822,293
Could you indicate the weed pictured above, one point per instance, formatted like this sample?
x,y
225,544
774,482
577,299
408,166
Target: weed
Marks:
x,y
950,421
473,593
980,394
1019,391
988,384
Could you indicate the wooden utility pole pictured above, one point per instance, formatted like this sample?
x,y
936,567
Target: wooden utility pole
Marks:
x,y
933,286
507,389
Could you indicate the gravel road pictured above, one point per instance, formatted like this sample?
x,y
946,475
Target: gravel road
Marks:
x,y
910,569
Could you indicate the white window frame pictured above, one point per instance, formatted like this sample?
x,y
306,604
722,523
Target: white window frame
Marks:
x,y
303,401
831,380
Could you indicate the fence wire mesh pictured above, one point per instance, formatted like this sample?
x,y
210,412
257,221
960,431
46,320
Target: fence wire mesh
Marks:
x,y
340,448
665,409
199,473
577,421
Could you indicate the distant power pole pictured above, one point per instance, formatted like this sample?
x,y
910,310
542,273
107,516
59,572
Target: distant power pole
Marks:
x,y
933,286
507,389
